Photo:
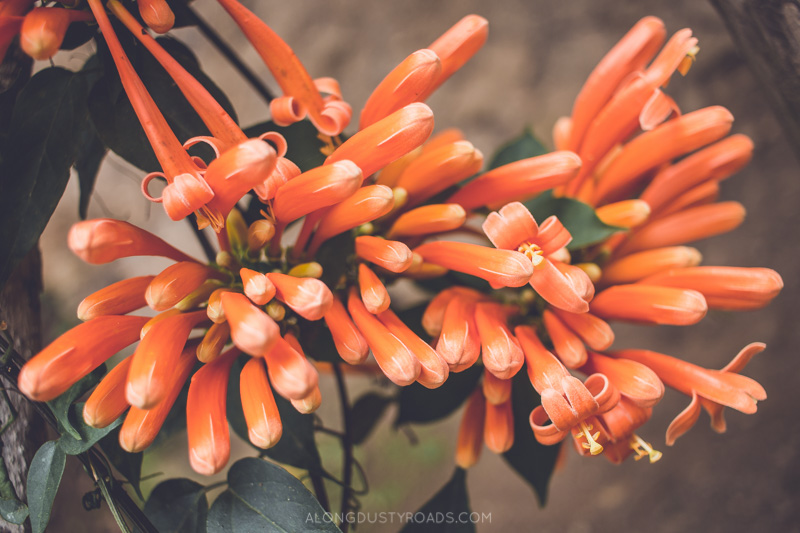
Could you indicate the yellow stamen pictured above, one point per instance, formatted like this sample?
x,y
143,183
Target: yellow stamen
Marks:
x,y
532,252
329,147
591,443
687,62
641,448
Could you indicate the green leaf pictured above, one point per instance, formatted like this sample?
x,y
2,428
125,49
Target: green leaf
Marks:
x,y
533,461
13,511
48,119
447,512
178,506
264,497
297,446
579,218
113,115
128,464
419,405
87,165
304,145
44,477
366,412
60,406
522,147
88,435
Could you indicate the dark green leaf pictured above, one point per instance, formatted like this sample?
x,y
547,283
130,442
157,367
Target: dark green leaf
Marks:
x,y
304,145
90,154
447,512
44,477
418,404
334,256
533,461
178,506
88,435
128,464
264,497
60,406
579,218
367,411
297,446
78,33
113,115
48,118
523,147
13,511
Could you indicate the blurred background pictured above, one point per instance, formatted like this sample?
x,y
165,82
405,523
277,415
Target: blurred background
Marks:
x,y
528,73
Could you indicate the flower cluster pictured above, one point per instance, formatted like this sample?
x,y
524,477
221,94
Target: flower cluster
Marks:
x,y
392,202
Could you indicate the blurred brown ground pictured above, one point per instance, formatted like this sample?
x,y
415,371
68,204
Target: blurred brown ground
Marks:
x,y
537,56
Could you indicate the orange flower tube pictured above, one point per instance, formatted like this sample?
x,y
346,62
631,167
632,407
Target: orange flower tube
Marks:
x,y
252,330
496,390
505,268
625,214
319,187
118,298
257,286
500,351
349,342
595,332
498,430
107,402
292,375
703,194
436,169
308,297
264,426
518,180
103,240
373,293
157,15
457,45
141,426
567,345
640,265
394,256
43,30
437,218
650,305
470,432
176,282
206,420
635,381
213,342
459,343
433,369
76,353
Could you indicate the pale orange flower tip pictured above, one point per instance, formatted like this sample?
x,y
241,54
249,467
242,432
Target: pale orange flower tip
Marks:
x,y
43,30
264,426
257,286
625,214
157,15
498,430
429,219
639,265
308,297
373,293
470,433
117,299
252,330
349,342
107,402
176,282
391,255
310,403
650,304
315,189
458,44
291,374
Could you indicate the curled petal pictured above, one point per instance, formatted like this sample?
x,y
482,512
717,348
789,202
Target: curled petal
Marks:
x,y
308,297
581,399
684,421
510,226
634,380
553,236
558,289
103,240
264,426
559,410
117,299
284,171
187,193
286,110
547,434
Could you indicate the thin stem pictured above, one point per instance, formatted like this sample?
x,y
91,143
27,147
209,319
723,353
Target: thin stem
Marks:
x,y
347,446
319,489
209,33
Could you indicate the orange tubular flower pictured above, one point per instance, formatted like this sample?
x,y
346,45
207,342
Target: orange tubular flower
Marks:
x,y
635,381
514,228
470,433
349,342
394,256
176,282
500,351
658,146
157,15
703,194
394,358
518,180
595,332
308,297
498,431
625,214
650,305
715,162
141,426
155,358
11,18
428,219
319,187
639,265
76,353
504,268
689,225
206,422
618,425
213,342
459,343
711,389
726,288
567,345
43,30
386,140
264,426
103,240
292,375
107,402
458,44
373,293
496,390
118,298
252,330
433,316
566,402
367,204
407,83
436,169
433,369
631,54
257,286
